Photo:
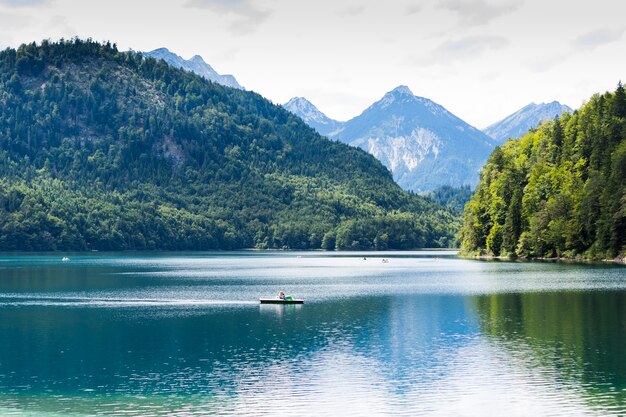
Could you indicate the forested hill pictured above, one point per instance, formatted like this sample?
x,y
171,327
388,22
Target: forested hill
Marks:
x,y
112,151
558,191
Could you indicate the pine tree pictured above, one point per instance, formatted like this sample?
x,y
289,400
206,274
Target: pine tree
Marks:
x,y
619,101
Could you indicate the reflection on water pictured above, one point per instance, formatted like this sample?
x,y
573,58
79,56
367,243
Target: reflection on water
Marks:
x,y
422,335
578,336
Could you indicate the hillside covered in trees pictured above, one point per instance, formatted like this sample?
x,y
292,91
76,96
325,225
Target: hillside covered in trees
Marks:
x,y
560,191
453,197
106,150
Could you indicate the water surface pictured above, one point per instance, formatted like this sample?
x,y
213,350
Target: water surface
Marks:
x,y
425,334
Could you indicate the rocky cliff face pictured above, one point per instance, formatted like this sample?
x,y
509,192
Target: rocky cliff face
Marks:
x,y
423,144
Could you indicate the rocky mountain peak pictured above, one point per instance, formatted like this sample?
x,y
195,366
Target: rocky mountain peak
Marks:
x,y
401,90
307,111
198,59
196,65
526,118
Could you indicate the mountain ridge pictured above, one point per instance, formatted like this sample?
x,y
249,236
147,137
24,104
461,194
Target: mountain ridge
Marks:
x,y
422,143
195,64
520,122
308,112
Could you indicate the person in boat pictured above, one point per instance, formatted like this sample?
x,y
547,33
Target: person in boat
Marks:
x,y
281,295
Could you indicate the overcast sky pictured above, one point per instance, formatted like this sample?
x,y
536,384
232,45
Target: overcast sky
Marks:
x,y
481,59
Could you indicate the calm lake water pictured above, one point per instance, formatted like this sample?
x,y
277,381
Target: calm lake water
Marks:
x,y
425,334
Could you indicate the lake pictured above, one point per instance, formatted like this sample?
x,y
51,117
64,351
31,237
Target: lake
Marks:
x,y
425,334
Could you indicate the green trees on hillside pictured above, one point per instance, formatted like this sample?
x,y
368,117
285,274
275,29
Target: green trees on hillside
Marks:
x,y
106,150
560,191
452,197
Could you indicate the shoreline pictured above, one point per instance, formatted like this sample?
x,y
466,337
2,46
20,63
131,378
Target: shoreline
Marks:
x,y
158,251
616,261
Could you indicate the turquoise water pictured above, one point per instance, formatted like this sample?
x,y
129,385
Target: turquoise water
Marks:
x,y
425,334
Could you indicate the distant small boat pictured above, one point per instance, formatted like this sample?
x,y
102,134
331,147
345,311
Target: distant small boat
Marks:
x,y
65,259
276,300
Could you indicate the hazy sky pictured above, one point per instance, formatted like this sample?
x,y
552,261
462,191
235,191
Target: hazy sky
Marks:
x,y
481,59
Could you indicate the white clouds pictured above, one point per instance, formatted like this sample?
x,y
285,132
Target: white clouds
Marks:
x,y
10,21
353,11
547,63
24,3
467,48
243,8
584,44
60,26
246,16
414,8
472,46
478,12
597,38
481,59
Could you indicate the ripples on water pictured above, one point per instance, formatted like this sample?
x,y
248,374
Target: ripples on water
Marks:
x,y
426,334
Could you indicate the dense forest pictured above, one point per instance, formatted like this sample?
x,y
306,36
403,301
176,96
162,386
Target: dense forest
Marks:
x,y
453,197
560,191
108,150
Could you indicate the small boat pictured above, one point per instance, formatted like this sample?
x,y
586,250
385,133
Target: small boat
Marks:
x,y
65,259
276,300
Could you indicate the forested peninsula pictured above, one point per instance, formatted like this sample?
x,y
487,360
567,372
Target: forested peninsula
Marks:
x,y
558,192
108,150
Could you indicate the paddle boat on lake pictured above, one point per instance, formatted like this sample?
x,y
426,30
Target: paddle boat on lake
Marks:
x,y
281,299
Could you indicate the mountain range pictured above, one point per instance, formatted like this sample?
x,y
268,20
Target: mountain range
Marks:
x,y
196,65
519,123
423,144
419,141
106,150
